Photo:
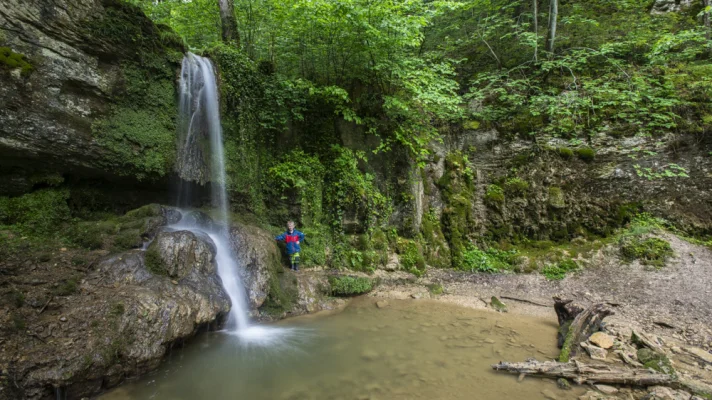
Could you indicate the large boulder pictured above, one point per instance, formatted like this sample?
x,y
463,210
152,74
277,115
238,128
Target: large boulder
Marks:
x,y
124,318
665,6
258,257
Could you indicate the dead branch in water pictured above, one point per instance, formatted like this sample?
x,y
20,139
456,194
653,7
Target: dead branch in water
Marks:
x,y
582,373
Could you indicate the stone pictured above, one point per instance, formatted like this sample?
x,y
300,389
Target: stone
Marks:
x,y
63,319
382,304
563,384
699,353
666,6
497,304
181,252
594,351
666,393
548,394
602,340
606,389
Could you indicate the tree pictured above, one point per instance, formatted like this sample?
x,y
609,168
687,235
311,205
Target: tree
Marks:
x,y
535,11
706,20
229,22
553,15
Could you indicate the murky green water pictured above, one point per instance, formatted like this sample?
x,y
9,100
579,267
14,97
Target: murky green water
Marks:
x,y
409,350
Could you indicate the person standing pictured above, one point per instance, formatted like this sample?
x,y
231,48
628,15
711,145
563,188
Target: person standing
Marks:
x,y
292,238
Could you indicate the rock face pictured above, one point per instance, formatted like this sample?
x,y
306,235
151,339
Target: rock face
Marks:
x,y
664,6
71,112
122,321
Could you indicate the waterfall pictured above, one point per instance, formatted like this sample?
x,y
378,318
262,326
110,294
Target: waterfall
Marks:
x,y
200,120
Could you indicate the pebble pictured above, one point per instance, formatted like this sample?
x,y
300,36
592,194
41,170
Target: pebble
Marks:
x,y
63,319
605,389
602,340
381,304
549,395
490,341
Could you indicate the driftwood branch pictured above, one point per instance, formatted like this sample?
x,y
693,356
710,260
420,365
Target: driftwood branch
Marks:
x,y
582,373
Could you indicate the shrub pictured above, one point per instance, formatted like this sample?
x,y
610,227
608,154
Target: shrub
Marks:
x,y
516,186
490,260
651,251
350,285
494,195
436,289
38,212
586,154
558,271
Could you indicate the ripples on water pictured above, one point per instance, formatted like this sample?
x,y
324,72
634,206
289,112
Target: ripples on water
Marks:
x,y
409,350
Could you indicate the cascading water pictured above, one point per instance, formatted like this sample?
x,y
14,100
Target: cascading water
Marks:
x,y
200,118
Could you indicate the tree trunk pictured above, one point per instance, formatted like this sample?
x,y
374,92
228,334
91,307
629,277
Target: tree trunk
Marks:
x,y
553,16
706,21
582,373
584,323
228,21
536,28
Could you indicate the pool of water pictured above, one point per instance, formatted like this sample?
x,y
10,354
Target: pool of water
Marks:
x,y
411,349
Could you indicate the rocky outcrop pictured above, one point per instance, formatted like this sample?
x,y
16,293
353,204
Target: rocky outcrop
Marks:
x,y
258,257
81,105
119,321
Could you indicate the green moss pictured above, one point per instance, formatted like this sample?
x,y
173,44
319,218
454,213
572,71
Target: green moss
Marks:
x,y
154,261
558,271
497,304
651,251
565,353
350,285
436,289
494,195
516,187
471,125
379,240
129,239
586,154
117,309
9,60
282,294
656,361
565,152
149,210
556,197
458,191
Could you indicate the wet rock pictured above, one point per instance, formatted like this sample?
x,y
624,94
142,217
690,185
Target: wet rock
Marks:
x,y
563,384
200,220
602,340
257,255
180,252
382,304
656,361
548,394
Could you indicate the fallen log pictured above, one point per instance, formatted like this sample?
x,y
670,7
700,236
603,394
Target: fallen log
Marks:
x,y
583,373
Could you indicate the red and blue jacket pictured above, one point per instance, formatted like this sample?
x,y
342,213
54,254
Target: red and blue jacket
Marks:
x,y
291,239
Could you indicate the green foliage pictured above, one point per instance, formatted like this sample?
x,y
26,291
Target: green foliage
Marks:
x,y
490,260
350,285
315,246
517,187
494,195
304,174
39,212
347,189
651,251
558,271
128,239
656,172
656,361
411,258
436,289
10,60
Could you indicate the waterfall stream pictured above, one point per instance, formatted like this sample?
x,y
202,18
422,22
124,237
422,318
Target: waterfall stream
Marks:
x,y
200,119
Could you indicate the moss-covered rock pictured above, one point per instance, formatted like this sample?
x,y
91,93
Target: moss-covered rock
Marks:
x,y
649,251
9,60
556,198
586,154
658,362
